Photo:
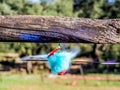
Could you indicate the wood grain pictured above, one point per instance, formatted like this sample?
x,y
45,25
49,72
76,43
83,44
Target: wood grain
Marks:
x,y
27,28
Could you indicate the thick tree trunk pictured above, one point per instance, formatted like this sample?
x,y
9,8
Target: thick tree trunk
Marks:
x,y
58,29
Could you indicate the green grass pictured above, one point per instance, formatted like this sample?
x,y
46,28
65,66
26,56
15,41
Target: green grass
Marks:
x,y
35,82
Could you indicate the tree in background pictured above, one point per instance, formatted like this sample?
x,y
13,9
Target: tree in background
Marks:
x,y
97,8
100,9
83,8
16,7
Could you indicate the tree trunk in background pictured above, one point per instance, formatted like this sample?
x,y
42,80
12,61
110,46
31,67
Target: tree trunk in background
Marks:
x,y
29,67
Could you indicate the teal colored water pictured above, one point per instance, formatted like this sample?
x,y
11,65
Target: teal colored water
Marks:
x,y
58,62
61,60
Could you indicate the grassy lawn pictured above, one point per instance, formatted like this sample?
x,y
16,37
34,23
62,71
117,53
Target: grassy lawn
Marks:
x,y
36,82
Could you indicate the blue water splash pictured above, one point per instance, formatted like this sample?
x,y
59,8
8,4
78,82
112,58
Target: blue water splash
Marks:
x,y
61,60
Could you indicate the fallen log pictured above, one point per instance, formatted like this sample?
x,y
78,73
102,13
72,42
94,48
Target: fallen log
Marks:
x,y
47,29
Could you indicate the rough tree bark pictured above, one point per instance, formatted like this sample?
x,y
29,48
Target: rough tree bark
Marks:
x,y
58,29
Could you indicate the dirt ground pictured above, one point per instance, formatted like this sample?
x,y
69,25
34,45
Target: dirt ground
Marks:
x,y
91,77
65,82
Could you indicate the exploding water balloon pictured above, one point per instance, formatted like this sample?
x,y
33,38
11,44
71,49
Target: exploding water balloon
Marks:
x,y
59,59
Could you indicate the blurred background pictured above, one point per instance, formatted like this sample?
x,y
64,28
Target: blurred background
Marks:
x,y
12,68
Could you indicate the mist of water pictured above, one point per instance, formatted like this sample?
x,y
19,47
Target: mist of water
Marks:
x,y
62,60
58,62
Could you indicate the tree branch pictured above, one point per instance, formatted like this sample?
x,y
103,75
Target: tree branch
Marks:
x,y
27,28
